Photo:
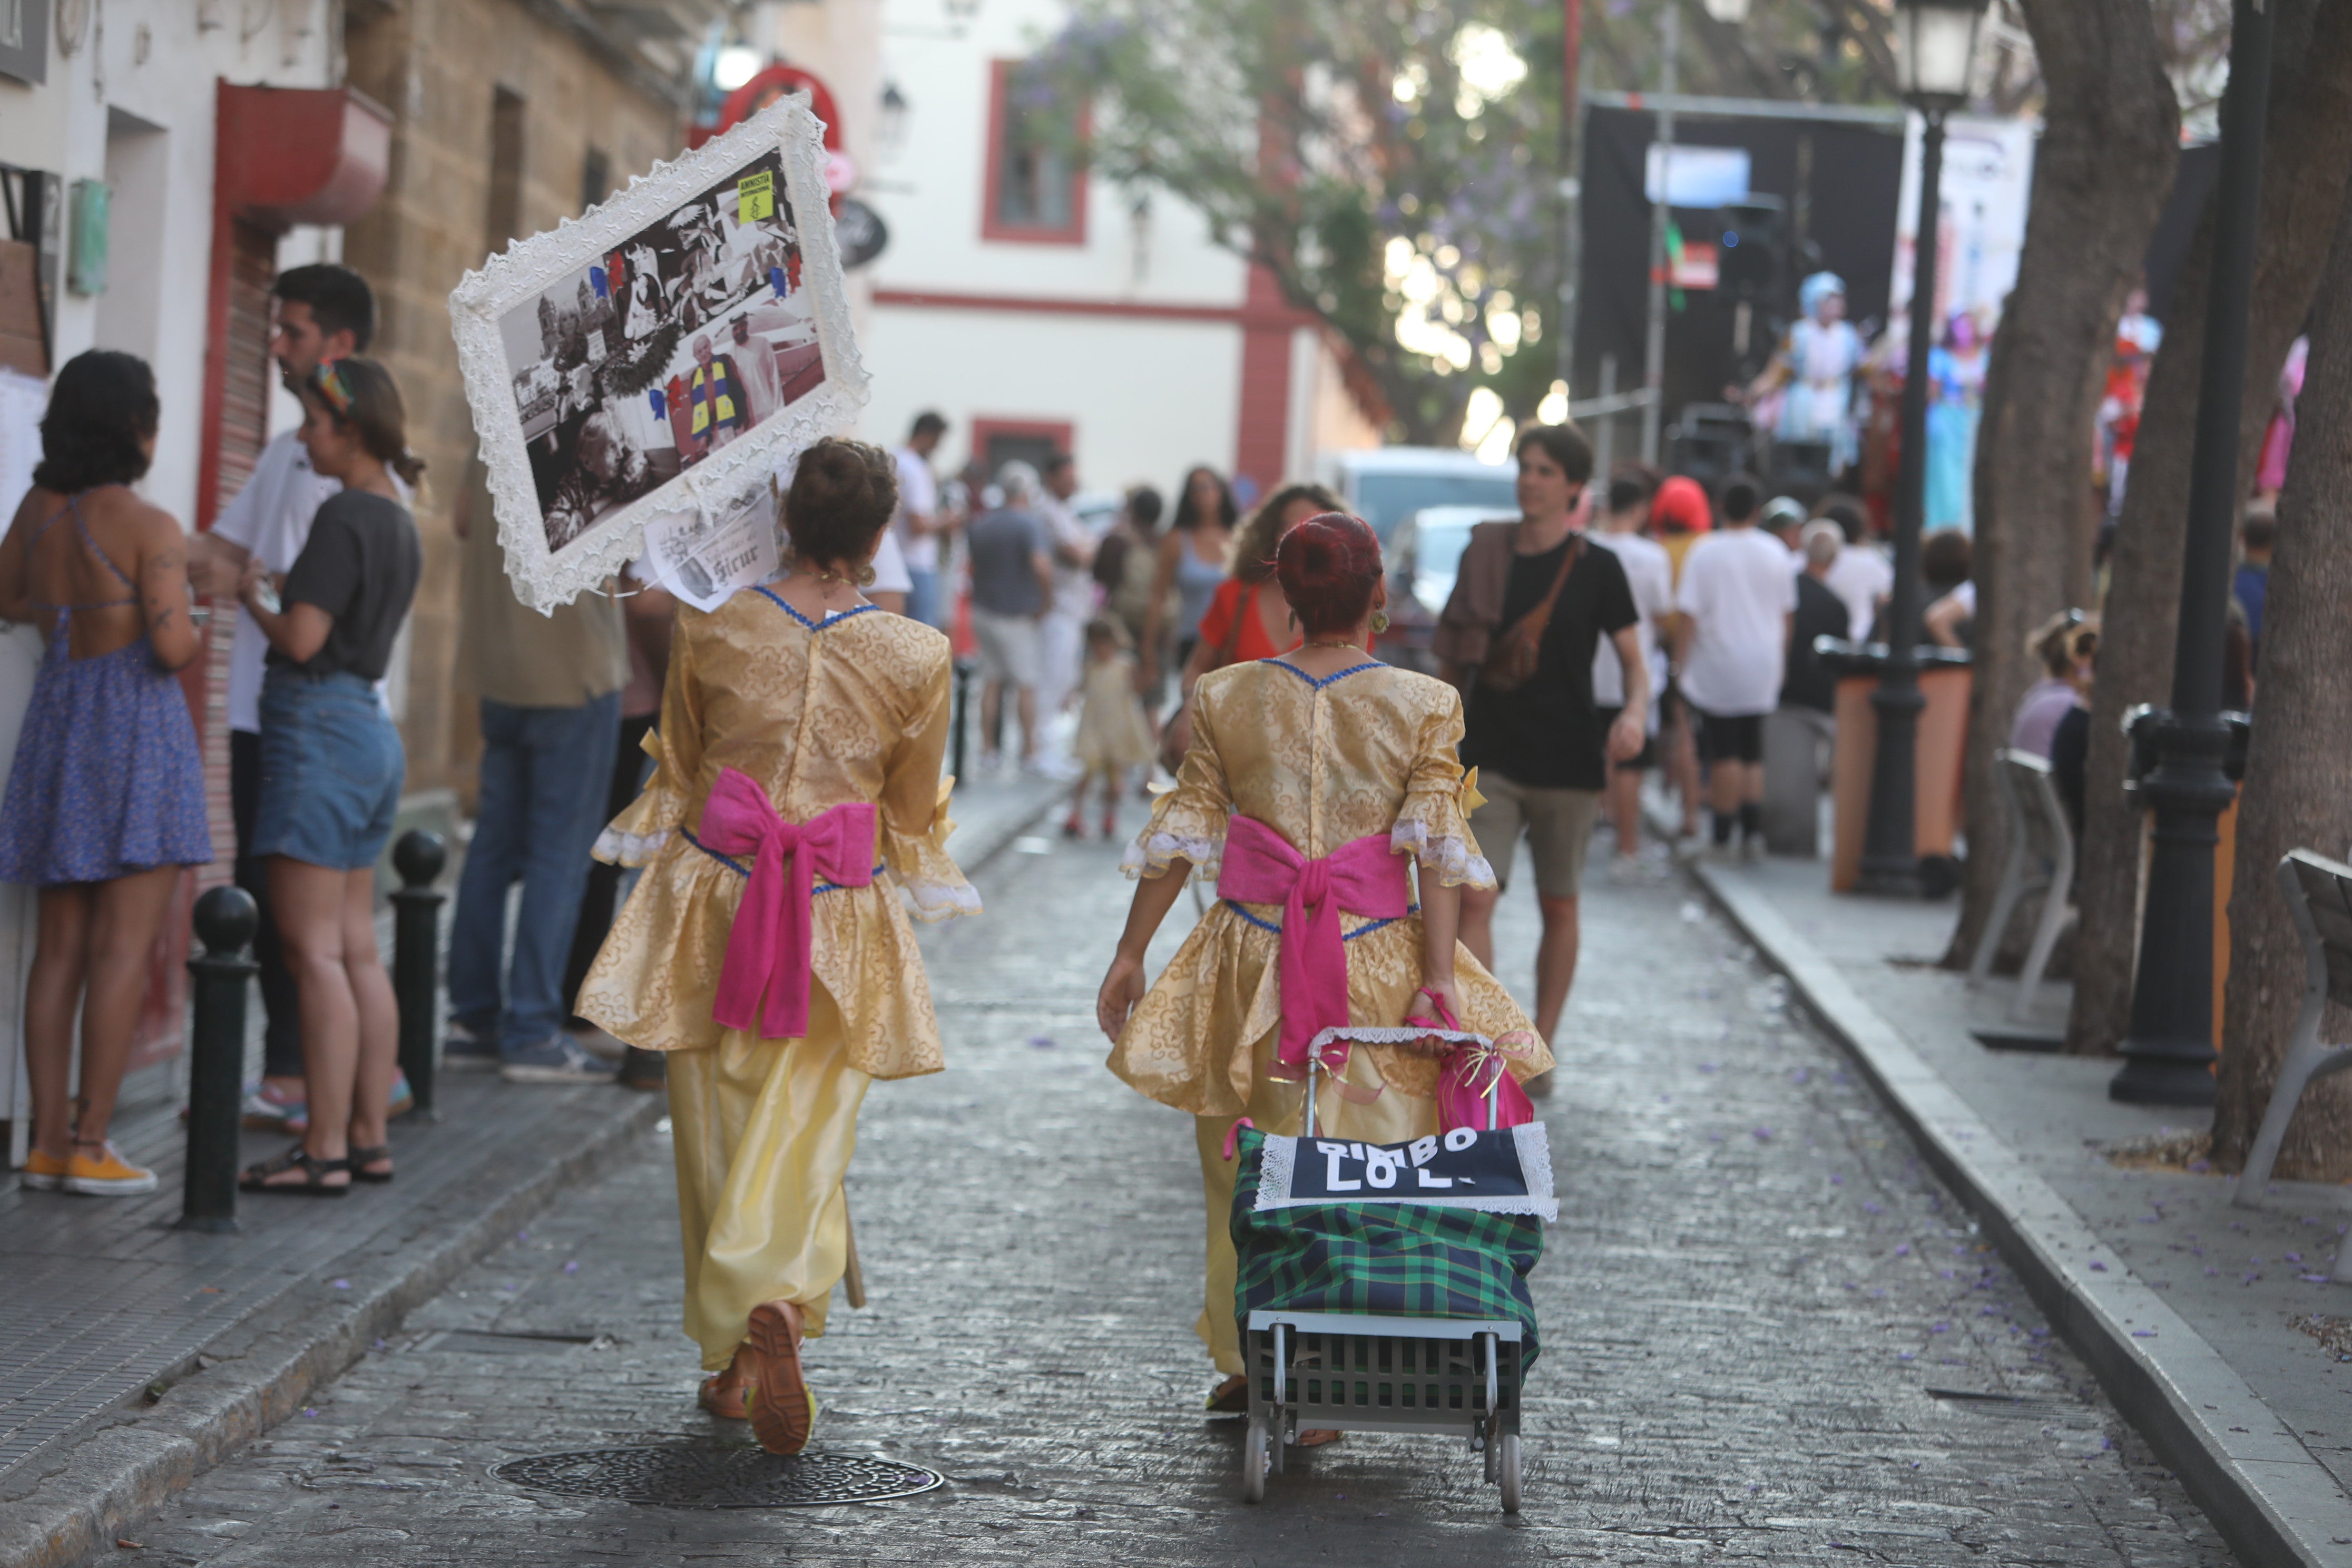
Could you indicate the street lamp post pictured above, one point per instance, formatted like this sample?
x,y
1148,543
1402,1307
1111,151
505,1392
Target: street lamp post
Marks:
x,y
1653,329
1934,44
2168,1050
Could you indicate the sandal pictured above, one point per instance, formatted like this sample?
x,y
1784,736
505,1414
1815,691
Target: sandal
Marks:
x,y
722,1395
363,1158
314,1185
1230,1397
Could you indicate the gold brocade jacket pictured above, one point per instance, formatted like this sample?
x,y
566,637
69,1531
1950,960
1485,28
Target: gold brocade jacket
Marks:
x,y
1371,749
852,709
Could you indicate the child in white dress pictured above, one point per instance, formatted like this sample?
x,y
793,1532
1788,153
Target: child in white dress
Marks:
x,y
1113,735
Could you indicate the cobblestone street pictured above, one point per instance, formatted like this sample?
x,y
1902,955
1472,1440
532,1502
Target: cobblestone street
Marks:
x,y
1769,1334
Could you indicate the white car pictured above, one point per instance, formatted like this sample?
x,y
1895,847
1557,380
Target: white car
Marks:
x,y
1385,485
1425,554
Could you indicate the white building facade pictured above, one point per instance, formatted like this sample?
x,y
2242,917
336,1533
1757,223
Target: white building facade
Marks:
x,y
1040,310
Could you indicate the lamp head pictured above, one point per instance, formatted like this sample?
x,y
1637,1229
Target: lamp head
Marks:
x,y
1935,50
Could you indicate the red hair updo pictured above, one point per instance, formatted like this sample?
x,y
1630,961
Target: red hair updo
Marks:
x,y
1328,567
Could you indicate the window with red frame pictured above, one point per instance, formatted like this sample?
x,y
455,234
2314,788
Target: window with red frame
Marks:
x,y
1037,187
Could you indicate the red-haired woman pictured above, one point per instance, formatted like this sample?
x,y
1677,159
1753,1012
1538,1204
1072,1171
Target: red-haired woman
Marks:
x,y
1321,769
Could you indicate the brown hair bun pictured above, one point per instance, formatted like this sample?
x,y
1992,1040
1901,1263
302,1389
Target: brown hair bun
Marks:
x,y
843,494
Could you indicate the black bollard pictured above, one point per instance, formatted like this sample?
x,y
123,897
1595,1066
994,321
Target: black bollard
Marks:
x,y
226,920
415,960
962,713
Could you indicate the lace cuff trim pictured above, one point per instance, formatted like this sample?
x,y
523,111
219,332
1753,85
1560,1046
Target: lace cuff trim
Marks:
x,y
933,901
1447,855
1152,850
619,848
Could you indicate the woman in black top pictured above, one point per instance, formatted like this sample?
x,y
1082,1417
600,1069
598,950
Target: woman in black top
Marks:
x,y
332,768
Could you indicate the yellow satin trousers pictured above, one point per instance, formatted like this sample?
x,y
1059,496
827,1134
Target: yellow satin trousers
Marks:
x,y
763,1132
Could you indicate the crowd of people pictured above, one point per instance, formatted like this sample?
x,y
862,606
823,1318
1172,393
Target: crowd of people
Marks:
x,y
105,801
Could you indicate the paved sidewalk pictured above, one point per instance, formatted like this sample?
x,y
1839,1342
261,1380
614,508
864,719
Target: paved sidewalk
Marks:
x,y
108,1308
2215,1328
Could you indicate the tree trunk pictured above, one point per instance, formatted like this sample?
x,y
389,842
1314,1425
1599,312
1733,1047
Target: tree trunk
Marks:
x,y
2307,153
2110,141
2294,795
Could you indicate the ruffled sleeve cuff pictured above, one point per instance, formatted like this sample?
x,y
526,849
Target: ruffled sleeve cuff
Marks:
x,y
1155,849
1179,830
935,886
1451,857
1434,827
930,903
639,833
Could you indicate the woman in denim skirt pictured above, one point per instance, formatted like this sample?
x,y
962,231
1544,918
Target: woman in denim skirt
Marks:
x,y
332,768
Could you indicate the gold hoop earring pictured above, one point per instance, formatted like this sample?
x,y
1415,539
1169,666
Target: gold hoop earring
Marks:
x,y
866,576
1380,622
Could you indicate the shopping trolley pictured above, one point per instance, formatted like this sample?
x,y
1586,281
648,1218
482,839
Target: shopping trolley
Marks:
x,y
1416,1371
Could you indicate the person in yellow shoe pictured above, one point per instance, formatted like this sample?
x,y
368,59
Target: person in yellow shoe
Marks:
x,y
1314,780
105,798
796,793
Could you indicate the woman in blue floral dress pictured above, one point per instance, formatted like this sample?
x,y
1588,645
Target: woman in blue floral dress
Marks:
x,y
106,797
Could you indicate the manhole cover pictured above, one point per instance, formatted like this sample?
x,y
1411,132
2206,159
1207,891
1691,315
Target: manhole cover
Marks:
x,y
719,1478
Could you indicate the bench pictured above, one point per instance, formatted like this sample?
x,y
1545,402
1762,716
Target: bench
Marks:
x,y
2319,895
2041,858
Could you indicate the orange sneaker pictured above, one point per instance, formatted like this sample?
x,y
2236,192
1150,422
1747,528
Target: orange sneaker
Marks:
x,y
42,1173
106,1174
773,1394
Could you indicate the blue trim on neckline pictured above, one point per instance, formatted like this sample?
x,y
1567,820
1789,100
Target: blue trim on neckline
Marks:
x,y
831,620
1335,676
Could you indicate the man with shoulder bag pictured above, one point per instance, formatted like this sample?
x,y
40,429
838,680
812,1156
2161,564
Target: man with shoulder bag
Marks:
x,y
1530,604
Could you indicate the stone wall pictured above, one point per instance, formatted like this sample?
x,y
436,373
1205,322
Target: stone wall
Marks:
x,y
441,66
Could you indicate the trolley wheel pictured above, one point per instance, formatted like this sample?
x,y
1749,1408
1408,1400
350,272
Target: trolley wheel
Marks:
x,y
1254,1461
1509,1466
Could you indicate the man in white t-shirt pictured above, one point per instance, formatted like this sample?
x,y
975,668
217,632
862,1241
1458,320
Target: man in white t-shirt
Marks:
x,y
1737,597
323,312
1861,576
1061,636
1650,573
918,526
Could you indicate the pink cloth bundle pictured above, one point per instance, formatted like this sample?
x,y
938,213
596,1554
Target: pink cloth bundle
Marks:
x,y
1363,877
768,949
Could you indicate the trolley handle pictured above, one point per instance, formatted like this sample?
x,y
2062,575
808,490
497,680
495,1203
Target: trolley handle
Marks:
x,y
1494,1093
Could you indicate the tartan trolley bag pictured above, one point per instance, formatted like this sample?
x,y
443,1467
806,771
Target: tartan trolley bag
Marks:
x,y
1383,1287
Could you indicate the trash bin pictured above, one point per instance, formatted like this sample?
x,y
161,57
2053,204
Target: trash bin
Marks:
x,y
1942,742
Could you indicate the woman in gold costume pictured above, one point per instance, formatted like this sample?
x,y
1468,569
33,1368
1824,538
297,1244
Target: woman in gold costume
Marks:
x,y
796,791
1312,781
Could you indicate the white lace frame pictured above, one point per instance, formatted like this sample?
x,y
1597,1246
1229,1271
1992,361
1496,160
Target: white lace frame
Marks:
x,y
729,476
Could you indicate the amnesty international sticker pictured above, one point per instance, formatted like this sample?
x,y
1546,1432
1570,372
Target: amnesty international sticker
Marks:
x,y
755,197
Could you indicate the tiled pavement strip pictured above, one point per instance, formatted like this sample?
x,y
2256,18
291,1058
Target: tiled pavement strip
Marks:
x,y
2198,1315
1770,1334
106,1300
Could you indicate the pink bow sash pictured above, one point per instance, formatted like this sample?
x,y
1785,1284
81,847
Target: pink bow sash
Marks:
x,y
1362,877
767,951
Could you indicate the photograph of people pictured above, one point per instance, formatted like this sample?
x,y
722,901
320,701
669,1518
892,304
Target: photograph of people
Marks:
x,y
678,343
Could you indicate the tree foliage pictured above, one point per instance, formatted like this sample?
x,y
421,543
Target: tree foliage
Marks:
x,y
1395,165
